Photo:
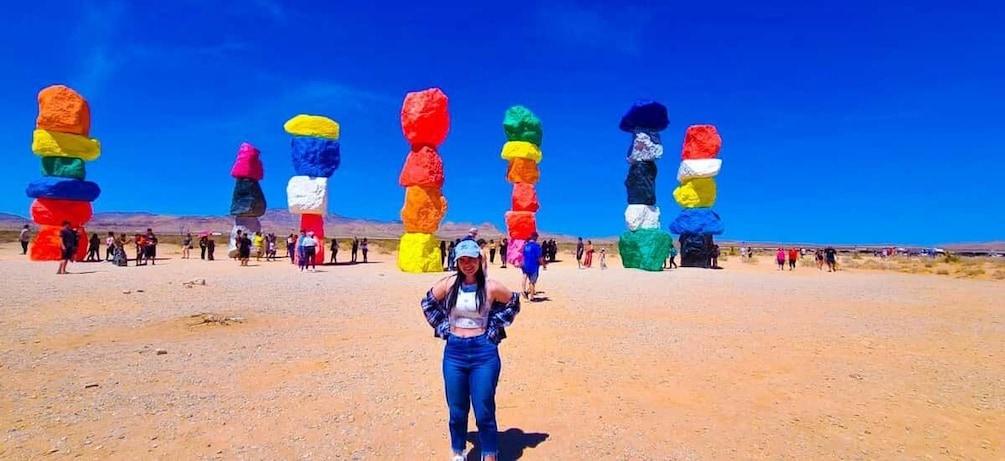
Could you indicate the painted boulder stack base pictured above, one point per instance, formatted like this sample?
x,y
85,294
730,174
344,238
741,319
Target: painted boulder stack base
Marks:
x,y
522,151
62,139
697,224
247,203
425,122
316,154
643,246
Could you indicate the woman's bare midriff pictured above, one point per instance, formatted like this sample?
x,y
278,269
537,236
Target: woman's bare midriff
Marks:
x,y
466,332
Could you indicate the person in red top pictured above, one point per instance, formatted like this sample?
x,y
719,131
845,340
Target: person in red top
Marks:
x,y
793,256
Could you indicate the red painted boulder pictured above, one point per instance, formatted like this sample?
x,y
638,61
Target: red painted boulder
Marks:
x,y
701,141
423,168
52,212
315,223
524,198
520,224
425,120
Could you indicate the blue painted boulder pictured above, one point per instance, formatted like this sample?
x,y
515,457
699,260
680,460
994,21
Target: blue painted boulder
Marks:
x,y
318,157
641,183
697,221
645,115
63,189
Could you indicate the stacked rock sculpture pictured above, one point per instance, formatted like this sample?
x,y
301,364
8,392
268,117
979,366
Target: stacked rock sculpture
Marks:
x,y
644,246
248,201
425,122
697,223
62,139
316,155
523,152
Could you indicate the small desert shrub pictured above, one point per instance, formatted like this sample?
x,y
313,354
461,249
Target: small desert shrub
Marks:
x,y
942,272
952,259
856,255
929,263
383,246
723,257
972,271
750,260
998,275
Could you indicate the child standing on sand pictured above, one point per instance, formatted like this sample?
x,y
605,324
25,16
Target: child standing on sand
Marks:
x,y
603,258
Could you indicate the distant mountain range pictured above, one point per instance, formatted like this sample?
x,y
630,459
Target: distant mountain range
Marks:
x,y
282,222
278,221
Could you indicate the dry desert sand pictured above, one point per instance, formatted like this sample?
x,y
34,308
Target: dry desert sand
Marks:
x,y
741,363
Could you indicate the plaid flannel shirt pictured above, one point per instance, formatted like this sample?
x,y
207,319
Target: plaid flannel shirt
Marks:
x,y
501,316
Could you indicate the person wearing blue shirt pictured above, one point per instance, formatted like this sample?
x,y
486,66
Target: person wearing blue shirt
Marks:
x,y
532,262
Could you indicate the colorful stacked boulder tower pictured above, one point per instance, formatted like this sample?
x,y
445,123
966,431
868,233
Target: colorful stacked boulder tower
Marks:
x,y
644,246
316,155
523,152
425,122
248,201
697,223
62,140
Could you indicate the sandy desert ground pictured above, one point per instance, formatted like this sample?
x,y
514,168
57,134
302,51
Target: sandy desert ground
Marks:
x,y
740,363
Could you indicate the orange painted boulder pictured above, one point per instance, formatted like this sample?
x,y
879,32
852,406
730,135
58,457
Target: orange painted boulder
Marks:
x,y
425,120
424,208
423,167
64,110
47,245
701,141
523,170
524,197
520,224
52,212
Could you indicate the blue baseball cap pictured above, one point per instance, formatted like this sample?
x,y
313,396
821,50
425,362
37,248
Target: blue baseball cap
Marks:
x,y
468,248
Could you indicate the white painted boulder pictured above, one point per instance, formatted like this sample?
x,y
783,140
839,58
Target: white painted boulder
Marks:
x,y
307,195
642,217
698,168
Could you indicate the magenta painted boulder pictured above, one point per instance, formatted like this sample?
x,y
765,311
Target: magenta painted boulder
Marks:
x,y
248,164
514,252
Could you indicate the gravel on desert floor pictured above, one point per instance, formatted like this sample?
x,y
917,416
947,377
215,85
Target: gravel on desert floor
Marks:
x,y
265,362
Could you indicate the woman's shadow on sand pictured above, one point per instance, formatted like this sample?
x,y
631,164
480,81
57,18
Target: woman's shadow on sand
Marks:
x,y
512,443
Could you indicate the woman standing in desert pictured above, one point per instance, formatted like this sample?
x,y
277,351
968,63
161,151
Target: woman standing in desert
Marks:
x,y
471,311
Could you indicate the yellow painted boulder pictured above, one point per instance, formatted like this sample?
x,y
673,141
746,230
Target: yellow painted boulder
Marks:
x,y
419,252
521,149
696,193
424,208
47,143
317,126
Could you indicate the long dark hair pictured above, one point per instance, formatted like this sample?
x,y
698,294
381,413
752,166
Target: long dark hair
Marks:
x,y
456,288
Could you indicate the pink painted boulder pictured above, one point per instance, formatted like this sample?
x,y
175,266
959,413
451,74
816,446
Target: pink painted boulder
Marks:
x,y
514,252
248,164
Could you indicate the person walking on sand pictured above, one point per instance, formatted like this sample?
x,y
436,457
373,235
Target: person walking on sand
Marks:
x,y
364,248
579,252
24,238
110,246
492,251
67,246
503,252
355,247
471,313
186,246
793,257
334,251
533,261
603,258
830,254
673,257
588,261
780,259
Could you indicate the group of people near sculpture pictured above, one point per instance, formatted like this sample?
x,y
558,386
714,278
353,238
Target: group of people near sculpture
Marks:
x,y
467,309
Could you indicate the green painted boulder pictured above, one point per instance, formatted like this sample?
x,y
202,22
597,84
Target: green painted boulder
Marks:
x,y
63,167
645,249
521,124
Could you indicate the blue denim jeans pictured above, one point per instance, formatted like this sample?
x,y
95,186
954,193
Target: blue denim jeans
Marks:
x,y
471,369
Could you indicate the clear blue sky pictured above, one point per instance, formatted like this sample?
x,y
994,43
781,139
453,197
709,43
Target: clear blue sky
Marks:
x,y
848,121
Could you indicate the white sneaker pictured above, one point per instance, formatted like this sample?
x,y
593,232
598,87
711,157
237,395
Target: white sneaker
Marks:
x,y
458,458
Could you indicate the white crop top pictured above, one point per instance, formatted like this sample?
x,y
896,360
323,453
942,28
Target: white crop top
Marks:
x,y
465,313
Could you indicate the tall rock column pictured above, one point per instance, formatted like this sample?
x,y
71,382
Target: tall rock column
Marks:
x,y
247,204
697,222
316,155
523,152
61,139
425,122
644,246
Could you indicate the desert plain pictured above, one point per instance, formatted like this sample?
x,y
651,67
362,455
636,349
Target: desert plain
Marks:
x,y
266,362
